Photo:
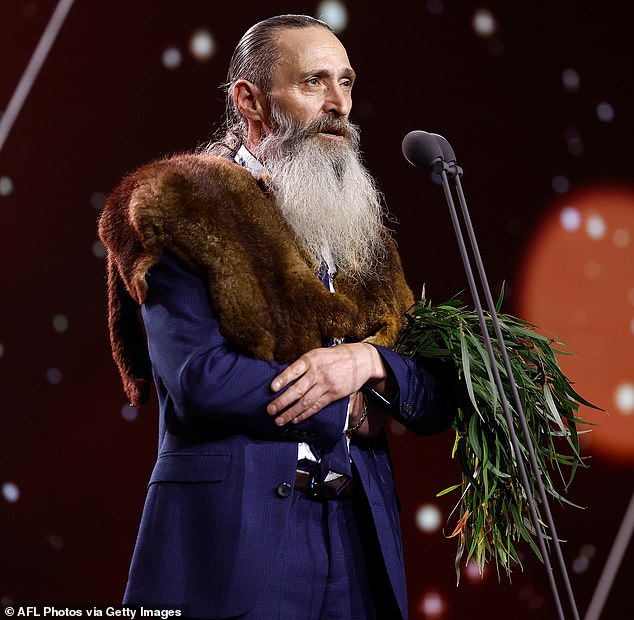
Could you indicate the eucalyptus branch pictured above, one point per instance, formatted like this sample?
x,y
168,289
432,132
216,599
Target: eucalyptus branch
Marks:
x,y
493,511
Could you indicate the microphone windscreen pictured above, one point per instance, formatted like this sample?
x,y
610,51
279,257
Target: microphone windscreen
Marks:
x,y
421,149
447,152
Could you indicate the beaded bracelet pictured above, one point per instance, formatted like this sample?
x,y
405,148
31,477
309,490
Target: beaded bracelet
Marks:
x,y
357,426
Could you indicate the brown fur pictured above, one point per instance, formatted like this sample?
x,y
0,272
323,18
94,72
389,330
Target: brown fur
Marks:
x,y
220,222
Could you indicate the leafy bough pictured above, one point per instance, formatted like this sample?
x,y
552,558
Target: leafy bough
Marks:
x,y
494,514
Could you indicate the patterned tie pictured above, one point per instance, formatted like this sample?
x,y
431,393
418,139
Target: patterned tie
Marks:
x,y
336,471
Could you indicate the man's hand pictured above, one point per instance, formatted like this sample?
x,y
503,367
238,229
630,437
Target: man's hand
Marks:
x,y
322,376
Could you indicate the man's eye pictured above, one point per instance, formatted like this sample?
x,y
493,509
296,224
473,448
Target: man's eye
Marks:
x,y
313,81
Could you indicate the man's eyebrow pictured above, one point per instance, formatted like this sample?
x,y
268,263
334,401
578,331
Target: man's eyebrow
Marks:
x,y
346,73
350,74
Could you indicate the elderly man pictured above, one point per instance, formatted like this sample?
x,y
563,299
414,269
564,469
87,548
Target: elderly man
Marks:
x,y
271,298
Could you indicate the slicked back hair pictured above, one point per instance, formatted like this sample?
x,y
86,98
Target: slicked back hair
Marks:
x,y
255,58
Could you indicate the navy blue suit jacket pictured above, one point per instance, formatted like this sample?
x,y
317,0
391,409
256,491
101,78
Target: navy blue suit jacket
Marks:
x,y
213,519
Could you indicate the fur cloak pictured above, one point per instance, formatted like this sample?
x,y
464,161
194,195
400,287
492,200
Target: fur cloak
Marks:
x,y
224,225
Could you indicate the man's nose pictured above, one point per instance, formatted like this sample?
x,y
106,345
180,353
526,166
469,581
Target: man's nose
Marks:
x,y
338,101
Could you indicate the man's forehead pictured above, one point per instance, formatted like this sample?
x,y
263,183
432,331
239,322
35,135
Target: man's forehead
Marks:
x,y
312,48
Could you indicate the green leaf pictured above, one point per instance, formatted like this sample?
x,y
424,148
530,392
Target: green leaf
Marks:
x,y
493,506
498,304
448,490
466,372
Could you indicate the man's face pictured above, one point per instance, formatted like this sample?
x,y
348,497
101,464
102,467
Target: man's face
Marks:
x,y
311,152
314,80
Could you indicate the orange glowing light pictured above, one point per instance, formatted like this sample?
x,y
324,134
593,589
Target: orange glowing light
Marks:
x,y
577,281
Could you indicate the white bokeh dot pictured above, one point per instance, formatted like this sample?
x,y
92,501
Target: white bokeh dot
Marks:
x,y
570,79
473,573
10,492
605,112
588,551
624,398
428,518
536,602
54,375
60,323
574,142
129,413
570,219
99,249
172,58
334,13
595,227
432,605
97,199
6,186
202,45
561,184
435,7
1,349
580,564
621,238
483,23
592,269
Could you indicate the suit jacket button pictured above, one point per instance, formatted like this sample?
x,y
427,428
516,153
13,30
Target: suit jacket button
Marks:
x,y
283,490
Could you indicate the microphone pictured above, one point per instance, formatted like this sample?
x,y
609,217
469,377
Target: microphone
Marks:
x,y
433,152
421,149
430,151
448,155
447,152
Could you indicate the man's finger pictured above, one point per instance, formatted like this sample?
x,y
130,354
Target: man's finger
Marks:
x,y
312,402
292,395
290,374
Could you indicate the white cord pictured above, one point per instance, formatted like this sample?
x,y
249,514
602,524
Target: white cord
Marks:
x,y
33,68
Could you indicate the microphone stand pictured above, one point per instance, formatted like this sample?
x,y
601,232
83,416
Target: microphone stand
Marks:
x,y
433,152
520,411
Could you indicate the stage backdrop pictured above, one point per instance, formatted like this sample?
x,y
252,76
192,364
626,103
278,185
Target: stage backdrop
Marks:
x,y
537,102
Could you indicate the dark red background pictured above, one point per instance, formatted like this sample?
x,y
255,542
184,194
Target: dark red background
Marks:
x,y
104,103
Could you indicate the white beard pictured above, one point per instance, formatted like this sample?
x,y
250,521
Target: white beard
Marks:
x,y
326,193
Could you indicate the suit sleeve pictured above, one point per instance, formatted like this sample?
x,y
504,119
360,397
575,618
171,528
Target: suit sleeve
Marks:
x,y
207,379
425,400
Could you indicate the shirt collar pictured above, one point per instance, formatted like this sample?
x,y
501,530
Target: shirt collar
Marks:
x,y
247,160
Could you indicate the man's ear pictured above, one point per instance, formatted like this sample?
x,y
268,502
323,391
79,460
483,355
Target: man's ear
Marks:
x,y
251,102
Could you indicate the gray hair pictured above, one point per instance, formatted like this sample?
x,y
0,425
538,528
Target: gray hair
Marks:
x,y
255,58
